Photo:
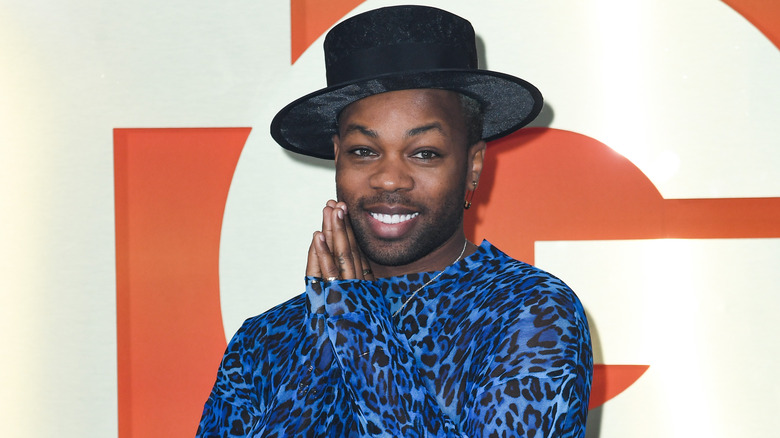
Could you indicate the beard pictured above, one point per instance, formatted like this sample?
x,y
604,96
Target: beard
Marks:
x,y
436,223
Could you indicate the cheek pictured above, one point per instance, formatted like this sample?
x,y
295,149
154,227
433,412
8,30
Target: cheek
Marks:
x,y
347,184
441,187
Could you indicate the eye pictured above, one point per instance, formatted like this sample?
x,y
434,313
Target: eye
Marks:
x,y
362,152
426,154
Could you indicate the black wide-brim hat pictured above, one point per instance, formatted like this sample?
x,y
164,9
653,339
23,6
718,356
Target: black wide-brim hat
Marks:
x,y
401,48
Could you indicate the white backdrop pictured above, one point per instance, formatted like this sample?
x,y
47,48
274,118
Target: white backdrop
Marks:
x,y
687,90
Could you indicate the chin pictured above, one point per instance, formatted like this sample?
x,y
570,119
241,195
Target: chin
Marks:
x,y
403,251
397,254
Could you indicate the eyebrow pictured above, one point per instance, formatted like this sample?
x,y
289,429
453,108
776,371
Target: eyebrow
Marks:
x,y
410,133
361,129
425,128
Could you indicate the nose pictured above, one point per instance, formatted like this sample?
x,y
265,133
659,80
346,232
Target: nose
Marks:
x,y
391,174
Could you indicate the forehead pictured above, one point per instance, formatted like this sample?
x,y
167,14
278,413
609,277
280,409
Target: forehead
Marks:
x,y
414,104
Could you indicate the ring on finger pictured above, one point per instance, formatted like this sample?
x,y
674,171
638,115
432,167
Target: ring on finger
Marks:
x,y
332,279
366,271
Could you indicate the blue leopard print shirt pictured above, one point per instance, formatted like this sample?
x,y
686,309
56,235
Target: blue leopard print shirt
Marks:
x,y
491,348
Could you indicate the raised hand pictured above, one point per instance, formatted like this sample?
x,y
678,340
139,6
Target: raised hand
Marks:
x,y
334,253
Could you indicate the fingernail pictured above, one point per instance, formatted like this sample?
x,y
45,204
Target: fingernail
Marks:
x,y
340,213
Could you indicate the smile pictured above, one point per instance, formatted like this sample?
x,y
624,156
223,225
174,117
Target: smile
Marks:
x,y
393,218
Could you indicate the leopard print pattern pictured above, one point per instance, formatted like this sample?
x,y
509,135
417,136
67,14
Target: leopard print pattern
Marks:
x,y
493,347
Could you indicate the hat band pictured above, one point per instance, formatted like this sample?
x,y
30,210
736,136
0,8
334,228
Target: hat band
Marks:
x,y
399,58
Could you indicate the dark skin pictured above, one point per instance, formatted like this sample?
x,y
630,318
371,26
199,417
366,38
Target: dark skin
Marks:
x,y
403,166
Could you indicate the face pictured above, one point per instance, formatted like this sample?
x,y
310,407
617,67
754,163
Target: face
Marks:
x,y
402,167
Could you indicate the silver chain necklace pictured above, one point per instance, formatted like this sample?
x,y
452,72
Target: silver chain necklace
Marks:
x,y
463,251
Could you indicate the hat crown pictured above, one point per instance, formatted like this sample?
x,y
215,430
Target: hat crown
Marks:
x,y
398,39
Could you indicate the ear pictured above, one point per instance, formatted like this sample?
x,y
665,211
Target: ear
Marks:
x,y
336,144
475,163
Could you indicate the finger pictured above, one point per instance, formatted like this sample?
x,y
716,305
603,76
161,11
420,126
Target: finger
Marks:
x,y
312,262
327,225
325,259
342,251
361,265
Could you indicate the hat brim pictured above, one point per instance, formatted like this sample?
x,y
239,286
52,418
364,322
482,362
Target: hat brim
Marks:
x,y
307,125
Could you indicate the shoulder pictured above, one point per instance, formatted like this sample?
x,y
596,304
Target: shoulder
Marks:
x,y
511,285
528,311
273,325
269,335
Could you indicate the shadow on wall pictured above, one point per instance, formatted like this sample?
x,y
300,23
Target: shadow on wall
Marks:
x,y
593,426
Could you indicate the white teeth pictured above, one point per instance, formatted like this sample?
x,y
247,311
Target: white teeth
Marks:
x,y
392,218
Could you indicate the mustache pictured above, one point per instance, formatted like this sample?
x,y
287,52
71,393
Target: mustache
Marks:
x,y
390,198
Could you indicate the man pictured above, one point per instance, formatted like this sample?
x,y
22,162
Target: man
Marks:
x,y
406,328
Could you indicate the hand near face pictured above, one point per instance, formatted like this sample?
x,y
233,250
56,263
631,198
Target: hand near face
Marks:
x,y
334,253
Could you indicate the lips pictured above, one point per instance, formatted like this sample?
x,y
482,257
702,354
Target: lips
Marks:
x,y
391,222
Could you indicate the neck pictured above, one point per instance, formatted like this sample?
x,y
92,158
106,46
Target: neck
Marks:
x,y
438,259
